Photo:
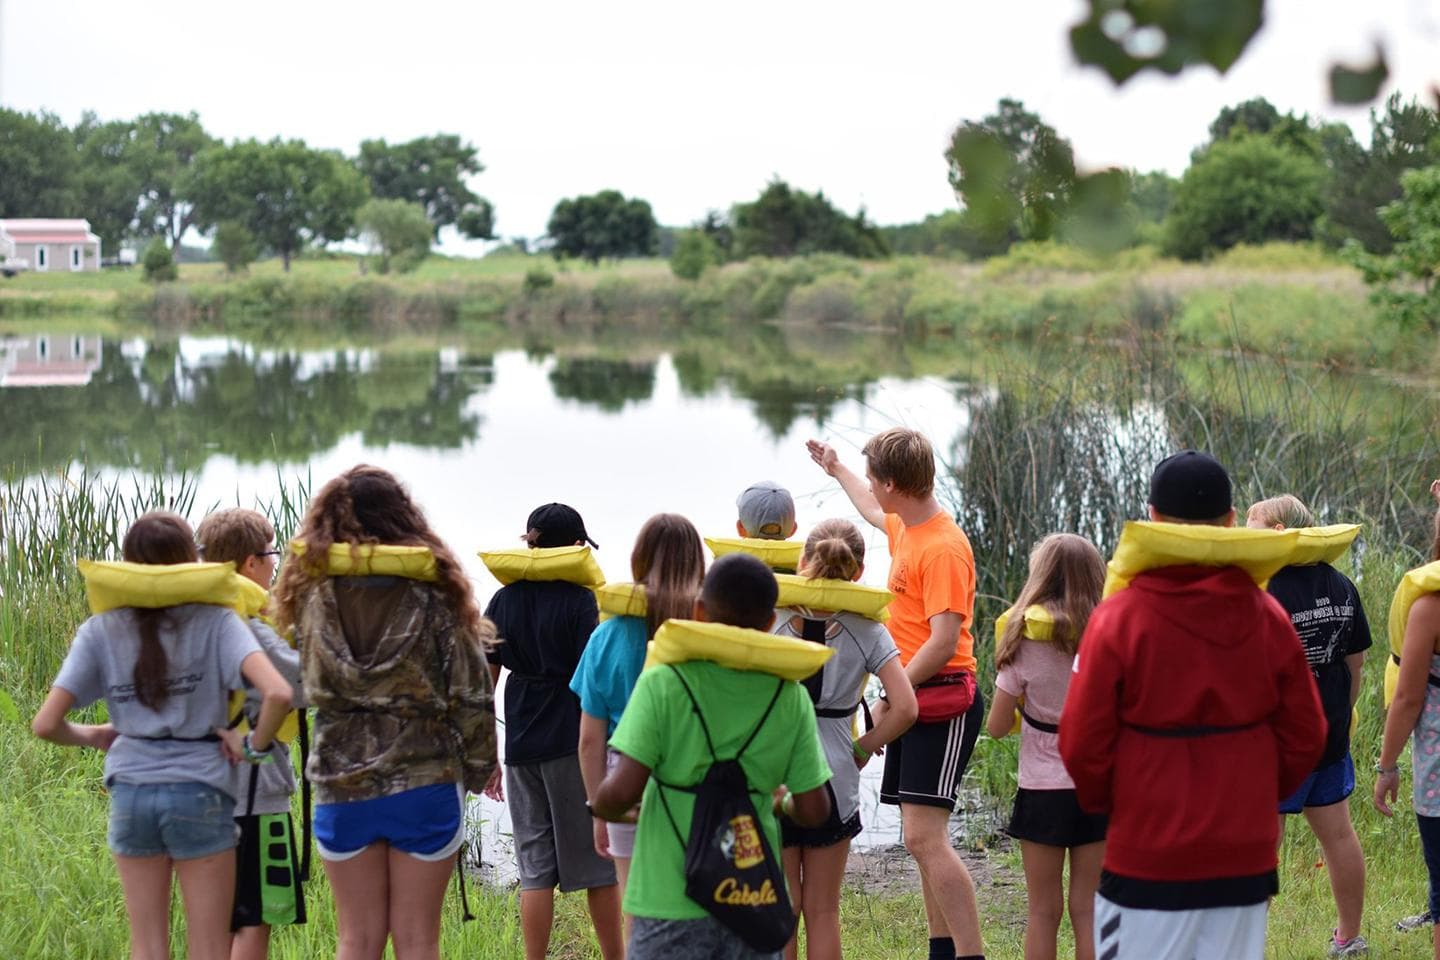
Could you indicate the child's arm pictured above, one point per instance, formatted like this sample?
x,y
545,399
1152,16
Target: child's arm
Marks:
x,y
1421,629
808,809
856,487
50,724
592,769
1002,714
275,698
900,712
622,789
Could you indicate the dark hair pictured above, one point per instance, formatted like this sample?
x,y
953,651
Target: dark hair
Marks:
x,y
159,537
367,505
670,562
741,591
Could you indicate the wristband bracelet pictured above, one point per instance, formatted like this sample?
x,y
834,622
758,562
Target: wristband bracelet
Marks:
x,y
860,752
787,804
250,754
1382,770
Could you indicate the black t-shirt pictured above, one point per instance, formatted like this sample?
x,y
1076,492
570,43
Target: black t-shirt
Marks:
x,y
1325,610
543,628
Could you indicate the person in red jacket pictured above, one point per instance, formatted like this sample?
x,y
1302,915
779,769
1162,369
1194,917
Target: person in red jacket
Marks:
x,y
1190,715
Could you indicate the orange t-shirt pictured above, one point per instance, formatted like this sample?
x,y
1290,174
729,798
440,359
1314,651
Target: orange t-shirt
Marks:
x,y
932,570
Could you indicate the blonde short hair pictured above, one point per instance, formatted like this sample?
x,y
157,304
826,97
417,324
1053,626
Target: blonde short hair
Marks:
x,y
903,457
1287,510
234,535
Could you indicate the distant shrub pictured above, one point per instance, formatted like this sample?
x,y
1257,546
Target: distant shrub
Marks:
x,y
234,245
538,279
1277,255
158,262
694,251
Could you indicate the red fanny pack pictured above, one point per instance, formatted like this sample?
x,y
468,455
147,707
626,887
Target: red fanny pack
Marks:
x,y
945,696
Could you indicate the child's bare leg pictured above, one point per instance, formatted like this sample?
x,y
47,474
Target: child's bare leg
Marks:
x,y
1085,864
791,860
207,885
604,905
251,943
1045,890
146,883
824,869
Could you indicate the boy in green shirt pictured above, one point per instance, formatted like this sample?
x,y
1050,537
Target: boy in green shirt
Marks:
x,y
659,732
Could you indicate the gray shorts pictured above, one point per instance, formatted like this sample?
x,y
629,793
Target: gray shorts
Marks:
x,y
704,939
554,834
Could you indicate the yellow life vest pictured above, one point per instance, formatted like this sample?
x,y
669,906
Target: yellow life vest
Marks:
x,y
1323,544
621,600
872,603
571,564
779,555
1145,545
1039,625
679,641
110,585
1414,585
290,726
377,560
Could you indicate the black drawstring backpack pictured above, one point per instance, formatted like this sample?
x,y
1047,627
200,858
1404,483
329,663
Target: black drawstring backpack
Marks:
x,y
730,870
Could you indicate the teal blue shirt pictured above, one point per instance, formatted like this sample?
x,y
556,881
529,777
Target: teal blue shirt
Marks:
x,y
609,668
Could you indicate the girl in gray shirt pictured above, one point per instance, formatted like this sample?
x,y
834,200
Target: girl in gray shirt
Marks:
x,y
164,674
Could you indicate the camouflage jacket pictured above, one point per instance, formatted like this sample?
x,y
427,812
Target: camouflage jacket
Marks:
x,y
401,692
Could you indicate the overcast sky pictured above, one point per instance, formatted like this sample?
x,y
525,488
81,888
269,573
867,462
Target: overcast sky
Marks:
x,y
690,106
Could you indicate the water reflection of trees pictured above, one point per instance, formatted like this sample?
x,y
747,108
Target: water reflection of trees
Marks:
x,y
605,382
162,411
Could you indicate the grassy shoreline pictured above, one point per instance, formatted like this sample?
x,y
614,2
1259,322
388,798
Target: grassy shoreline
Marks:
x,y
1280,300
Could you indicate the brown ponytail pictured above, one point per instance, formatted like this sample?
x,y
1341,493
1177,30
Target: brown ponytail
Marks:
x,y
158,537
835,550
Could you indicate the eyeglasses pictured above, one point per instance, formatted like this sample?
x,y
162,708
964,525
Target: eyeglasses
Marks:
x,y
269,553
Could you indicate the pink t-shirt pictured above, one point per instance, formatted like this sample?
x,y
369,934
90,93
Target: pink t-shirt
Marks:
x,y
1040,673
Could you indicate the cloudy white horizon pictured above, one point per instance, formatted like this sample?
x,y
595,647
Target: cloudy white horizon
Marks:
x,y
691,107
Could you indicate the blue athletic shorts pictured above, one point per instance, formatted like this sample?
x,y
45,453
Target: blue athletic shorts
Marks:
x,y
427,822
1323,787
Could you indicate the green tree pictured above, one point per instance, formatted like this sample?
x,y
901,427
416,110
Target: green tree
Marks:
x,y
286,194
172,143
397,230
38,166
784,222
234,245
110,174
158,262
1247,189
693,253
1405,136
1403,282
1013,172
602,225
430,171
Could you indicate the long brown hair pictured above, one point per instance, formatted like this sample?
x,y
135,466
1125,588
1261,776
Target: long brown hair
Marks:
x,y
669,560
366,505
158,537
1067,576
835,550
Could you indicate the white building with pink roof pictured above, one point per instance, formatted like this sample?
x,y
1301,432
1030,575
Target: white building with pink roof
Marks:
x,y
50,244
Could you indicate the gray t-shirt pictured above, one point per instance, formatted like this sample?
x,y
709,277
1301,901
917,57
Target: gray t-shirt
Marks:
x,y
861,647
274,781
204,646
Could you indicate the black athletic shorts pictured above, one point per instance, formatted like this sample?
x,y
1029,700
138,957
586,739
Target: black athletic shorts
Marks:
x,y
267,873
829,833
1054,818
926,763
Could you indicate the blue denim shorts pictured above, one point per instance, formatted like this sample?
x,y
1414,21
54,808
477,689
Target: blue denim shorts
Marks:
x,y
1325,786
182,821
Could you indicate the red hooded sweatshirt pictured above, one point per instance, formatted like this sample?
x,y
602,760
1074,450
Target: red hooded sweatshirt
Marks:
x,y
1181,652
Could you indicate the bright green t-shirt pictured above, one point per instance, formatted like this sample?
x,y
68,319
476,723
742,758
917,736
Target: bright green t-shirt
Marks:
x,y
659,729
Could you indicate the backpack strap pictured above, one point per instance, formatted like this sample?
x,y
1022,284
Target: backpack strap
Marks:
x,y
695,706
306,806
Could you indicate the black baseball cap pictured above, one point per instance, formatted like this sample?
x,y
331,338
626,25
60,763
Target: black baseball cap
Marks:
x,y
1190,485
556,525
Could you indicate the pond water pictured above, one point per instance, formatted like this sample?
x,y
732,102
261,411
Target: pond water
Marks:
x,y
621,431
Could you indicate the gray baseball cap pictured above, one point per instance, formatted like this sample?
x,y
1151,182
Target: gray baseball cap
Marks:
x,y
767,511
